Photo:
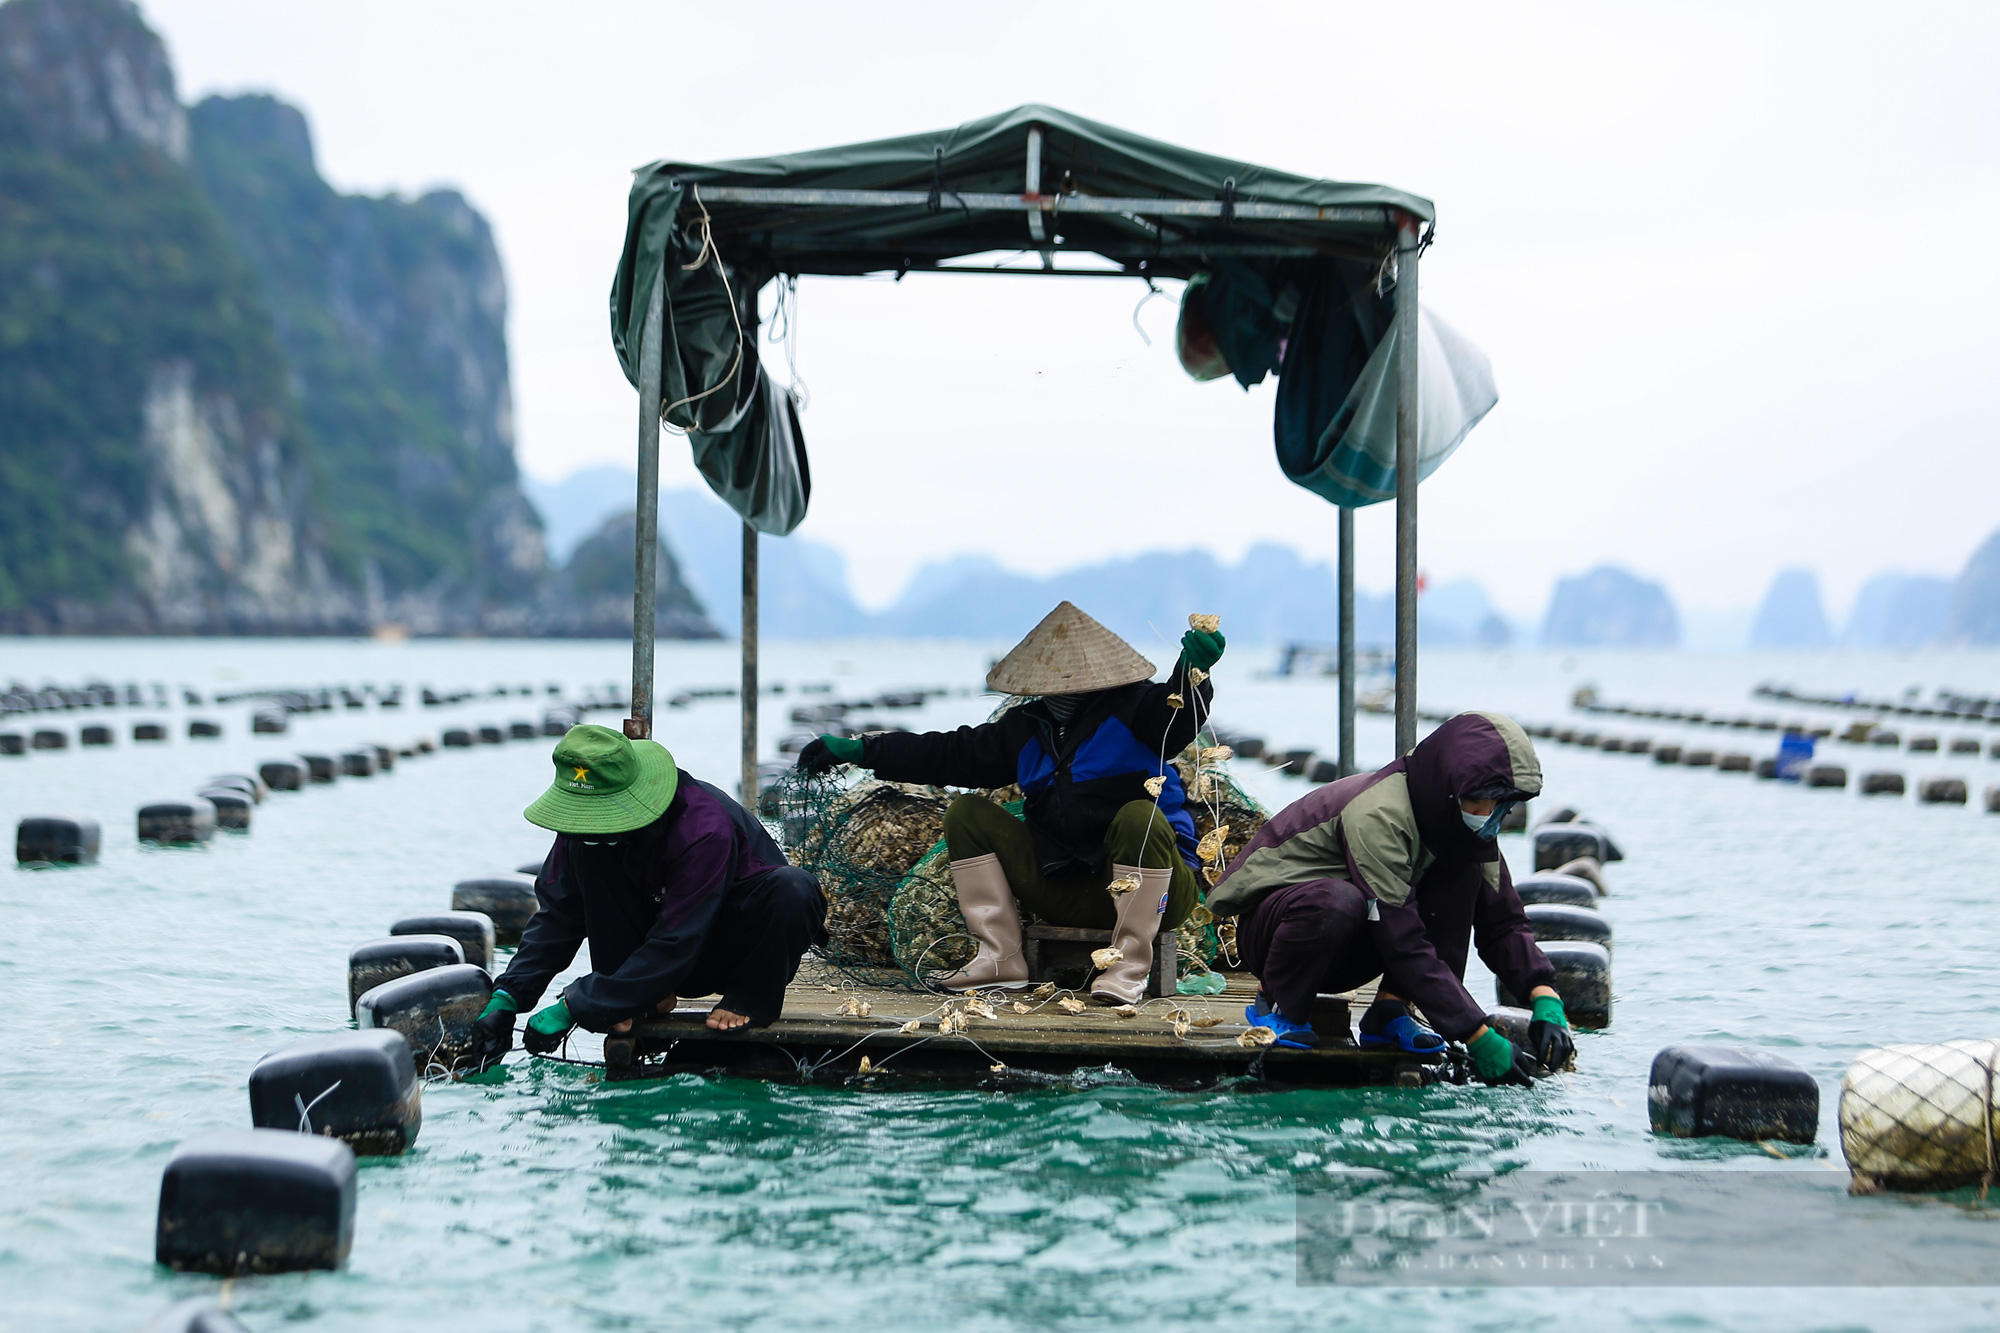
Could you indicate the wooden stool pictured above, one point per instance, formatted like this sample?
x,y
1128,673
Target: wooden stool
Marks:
x,y
1061,954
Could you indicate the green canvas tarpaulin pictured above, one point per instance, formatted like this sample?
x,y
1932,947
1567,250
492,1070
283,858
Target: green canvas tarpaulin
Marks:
x,y
1033,179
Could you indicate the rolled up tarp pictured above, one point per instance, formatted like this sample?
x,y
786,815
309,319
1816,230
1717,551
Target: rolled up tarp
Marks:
x,y
743,428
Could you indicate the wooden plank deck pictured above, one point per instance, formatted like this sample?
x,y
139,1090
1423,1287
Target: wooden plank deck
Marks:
x,y
822,1035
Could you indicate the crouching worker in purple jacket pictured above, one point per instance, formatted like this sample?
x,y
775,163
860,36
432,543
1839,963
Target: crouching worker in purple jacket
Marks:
x,y
678,889
1391,874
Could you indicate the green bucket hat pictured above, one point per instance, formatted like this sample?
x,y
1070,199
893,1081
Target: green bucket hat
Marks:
x,y
605,783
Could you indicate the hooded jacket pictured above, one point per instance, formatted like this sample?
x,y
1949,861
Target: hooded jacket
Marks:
x,y
1074,776
1435,885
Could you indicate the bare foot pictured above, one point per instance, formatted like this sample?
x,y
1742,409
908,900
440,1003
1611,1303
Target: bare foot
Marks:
x,y
722,1020
665,1006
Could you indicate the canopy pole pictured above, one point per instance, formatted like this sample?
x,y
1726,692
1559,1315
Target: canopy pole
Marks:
x,y
1346,576
750,695
646,537
1406,485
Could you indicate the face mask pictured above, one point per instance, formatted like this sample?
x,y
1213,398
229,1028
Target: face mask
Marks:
x,y
1487,826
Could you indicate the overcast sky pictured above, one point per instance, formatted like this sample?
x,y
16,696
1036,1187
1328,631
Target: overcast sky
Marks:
x,y
1734,264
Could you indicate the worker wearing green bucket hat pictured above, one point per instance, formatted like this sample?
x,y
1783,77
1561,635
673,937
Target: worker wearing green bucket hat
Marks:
x,y
678,890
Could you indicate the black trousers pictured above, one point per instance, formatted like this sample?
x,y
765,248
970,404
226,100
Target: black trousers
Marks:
x,y
752,951
1306,938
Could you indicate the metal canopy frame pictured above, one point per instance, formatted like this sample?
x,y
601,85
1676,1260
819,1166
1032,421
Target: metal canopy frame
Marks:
x,y
1142,249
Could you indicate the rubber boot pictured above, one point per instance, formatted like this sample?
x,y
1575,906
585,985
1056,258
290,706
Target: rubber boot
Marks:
x,y
992,919
1139,912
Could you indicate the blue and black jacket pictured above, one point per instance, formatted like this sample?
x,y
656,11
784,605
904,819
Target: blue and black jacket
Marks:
x,y
1075,776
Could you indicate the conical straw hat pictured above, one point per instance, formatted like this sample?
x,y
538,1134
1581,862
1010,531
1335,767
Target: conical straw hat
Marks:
x,y
1068,653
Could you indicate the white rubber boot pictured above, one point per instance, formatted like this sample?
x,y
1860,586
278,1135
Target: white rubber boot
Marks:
x,y
1139,913
992,919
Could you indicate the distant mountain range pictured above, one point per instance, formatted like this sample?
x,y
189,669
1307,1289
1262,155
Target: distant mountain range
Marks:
x,y
1271,595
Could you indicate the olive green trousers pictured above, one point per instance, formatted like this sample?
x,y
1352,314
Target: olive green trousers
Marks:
x,y
1139,836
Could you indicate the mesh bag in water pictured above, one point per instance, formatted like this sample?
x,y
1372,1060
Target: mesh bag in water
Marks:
x,y
1920,1117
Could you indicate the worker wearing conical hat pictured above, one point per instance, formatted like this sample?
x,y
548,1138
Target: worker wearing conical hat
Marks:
x,y
1105,840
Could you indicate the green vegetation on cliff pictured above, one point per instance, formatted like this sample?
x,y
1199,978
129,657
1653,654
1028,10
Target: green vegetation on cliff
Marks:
x,y
112,262
391,314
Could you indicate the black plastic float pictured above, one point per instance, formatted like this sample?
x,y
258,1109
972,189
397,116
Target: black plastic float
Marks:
x,y
1942,791
358,1087
1565,921
149,731
1568,890
56,840
1697,1091
1511,1023
1583,979
177,822
282,774
256,1201
248,783
1666,754
385,757
13,742
357,764
1827,775
508,899
320,767
200,729
473,931
522,731
1882,784
434,1010
1735,762
94,735
232,807
374,962
51,740
458,738
1557,843
492,736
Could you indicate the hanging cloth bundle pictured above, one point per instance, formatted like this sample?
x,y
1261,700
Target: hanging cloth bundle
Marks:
x,y
1328,330
742,426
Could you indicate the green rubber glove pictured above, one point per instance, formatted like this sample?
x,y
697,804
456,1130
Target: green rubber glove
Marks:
x,y
1496,1060
827,751
1202,648
1548,1034
493,1030
547,1029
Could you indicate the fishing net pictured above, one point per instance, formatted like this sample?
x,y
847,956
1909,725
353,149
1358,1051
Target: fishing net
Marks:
x,y
1920,1117
878,850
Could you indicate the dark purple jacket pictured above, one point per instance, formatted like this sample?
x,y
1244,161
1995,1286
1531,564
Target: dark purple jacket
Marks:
x,y
645,904
1437,887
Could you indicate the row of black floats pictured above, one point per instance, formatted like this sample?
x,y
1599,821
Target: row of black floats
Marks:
x,y
1561,900
280,1197
97,734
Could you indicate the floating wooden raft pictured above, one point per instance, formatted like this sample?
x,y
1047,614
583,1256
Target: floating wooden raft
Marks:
x,y
822,1035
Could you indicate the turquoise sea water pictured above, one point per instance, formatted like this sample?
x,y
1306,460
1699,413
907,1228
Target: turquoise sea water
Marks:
x,y
139,993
